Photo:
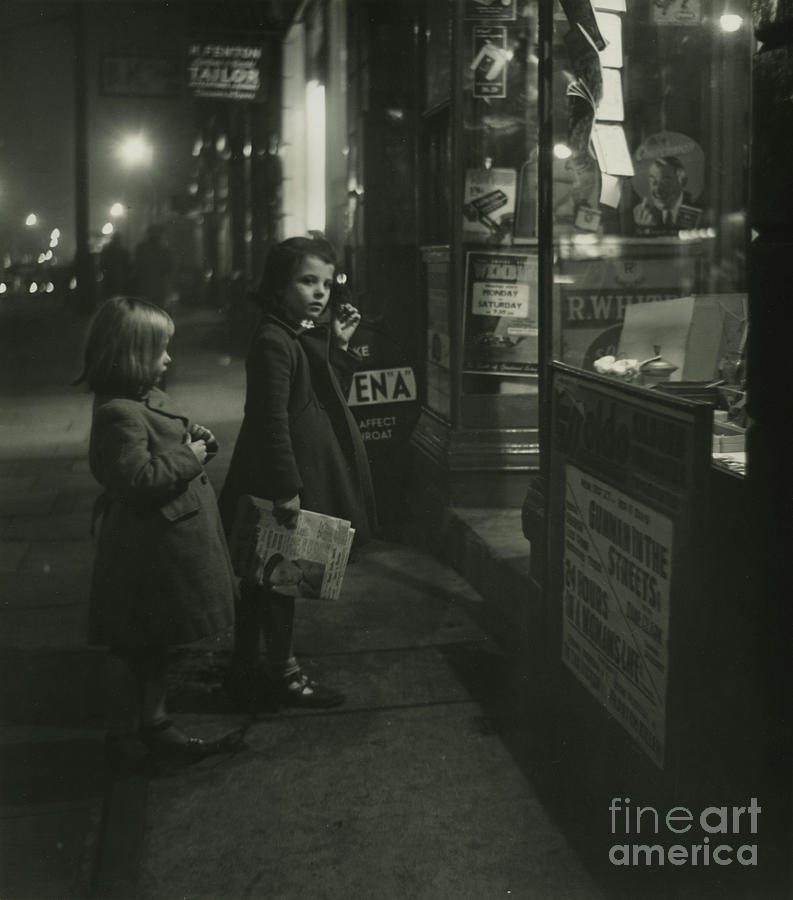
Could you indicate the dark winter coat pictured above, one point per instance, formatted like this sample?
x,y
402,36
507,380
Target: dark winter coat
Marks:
x,y
298,435
162,573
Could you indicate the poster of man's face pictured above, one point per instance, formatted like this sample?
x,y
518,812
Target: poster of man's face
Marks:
x,y
668,183
667,179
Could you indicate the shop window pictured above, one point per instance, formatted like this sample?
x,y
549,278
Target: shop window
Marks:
x,y
499,203
650,113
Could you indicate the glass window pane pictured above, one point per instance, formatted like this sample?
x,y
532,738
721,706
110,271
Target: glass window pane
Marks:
x,y
649,186
499,154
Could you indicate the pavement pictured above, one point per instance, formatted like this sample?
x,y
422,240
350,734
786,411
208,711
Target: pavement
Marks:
x,y
415,788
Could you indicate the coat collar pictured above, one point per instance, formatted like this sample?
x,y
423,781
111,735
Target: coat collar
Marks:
x,y
320,331
155,400
289,328
160,402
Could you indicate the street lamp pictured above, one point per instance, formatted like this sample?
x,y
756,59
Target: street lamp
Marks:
x,y
135,151
117,210
730,22
135,154
30,237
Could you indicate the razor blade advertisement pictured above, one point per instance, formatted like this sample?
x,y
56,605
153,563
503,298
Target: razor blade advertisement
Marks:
x,y
489,204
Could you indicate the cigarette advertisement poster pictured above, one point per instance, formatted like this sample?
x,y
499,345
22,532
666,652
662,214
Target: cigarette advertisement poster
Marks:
x,y
500,313
626,466
383,393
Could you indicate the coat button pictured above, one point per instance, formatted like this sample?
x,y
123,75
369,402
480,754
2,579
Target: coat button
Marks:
x,y
204,479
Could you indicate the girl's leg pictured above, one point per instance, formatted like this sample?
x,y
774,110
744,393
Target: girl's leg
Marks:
x,y
248,605
286,683
156,728
240,681
259,612
278,627
158,732
272,615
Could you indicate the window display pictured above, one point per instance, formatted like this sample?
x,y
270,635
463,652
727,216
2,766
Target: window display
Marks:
x,y
649,198
499,203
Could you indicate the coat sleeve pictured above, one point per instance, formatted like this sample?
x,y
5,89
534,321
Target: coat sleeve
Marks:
x,y
129,470
270,369
345,365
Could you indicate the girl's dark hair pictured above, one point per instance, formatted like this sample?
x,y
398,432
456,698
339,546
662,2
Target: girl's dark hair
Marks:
x,y
283,261
126,338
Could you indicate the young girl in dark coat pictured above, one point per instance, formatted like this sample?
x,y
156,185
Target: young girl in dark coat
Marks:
x,y
162,574
298,446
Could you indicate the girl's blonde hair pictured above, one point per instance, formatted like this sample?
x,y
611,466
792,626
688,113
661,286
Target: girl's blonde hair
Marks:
x,y
126,338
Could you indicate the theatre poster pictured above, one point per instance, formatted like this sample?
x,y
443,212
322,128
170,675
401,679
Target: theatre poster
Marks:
x,y
629,471
500,313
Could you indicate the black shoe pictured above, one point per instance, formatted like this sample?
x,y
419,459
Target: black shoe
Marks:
x,y
300,691
165,740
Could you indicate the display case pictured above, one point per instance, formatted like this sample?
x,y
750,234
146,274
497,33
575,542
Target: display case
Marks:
x,y
648,563
649,162
478,149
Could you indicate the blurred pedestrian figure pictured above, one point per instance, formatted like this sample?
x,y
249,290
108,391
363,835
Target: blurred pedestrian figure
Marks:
x,y
115,266
153,267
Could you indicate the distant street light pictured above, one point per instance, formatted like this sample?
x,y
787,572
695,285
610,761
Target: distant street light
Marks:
x,y
135,154
730,22
32,220
107,228
135,151
117,210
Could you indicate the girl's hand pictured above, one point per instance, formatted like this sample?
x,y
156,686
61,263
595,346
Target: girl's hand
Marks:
x,y
343,324
199,448
285,511
200,433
